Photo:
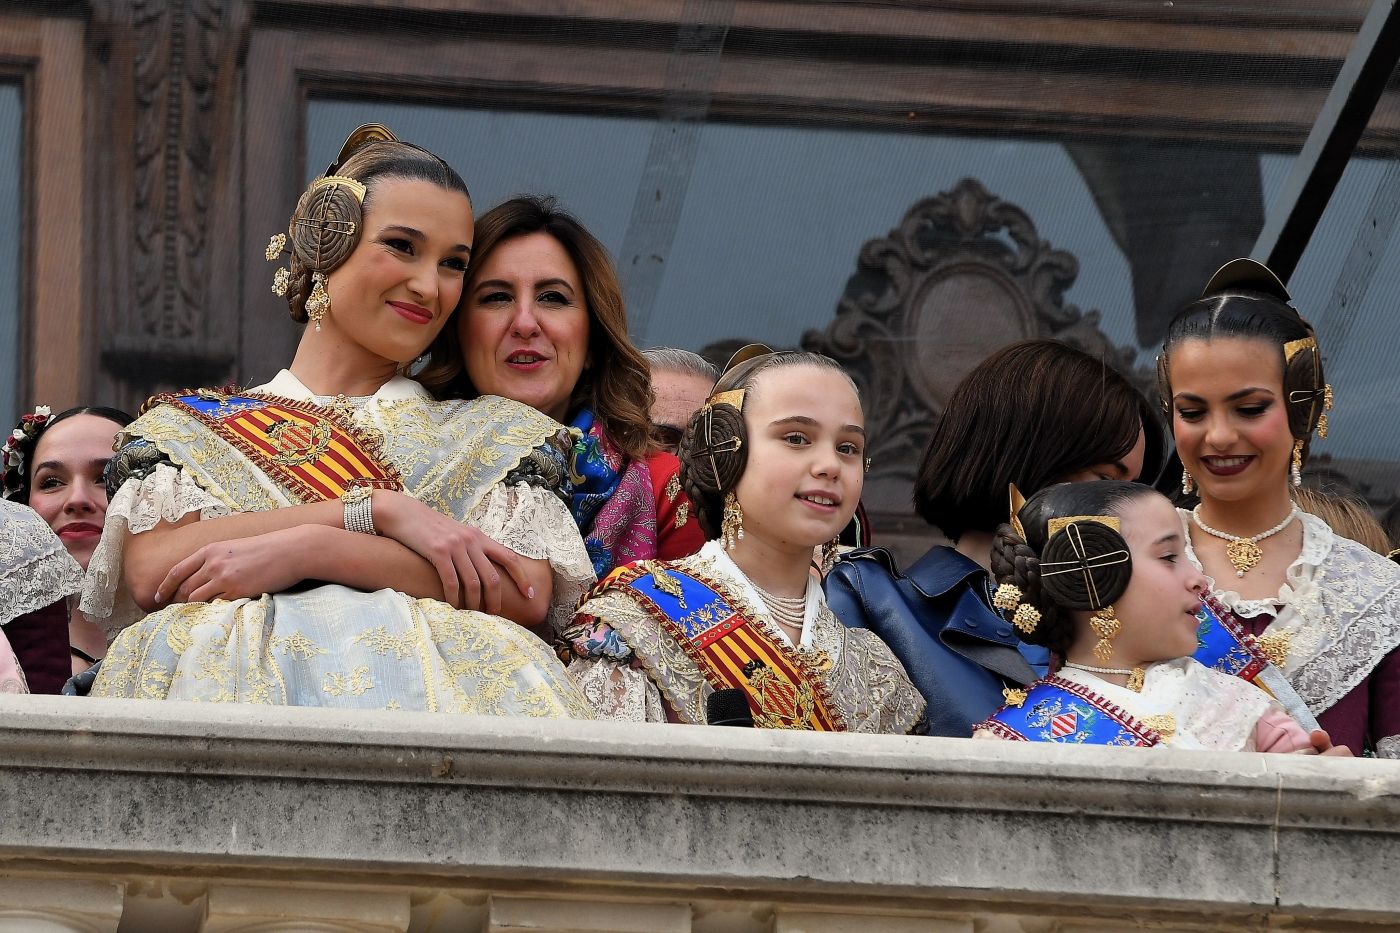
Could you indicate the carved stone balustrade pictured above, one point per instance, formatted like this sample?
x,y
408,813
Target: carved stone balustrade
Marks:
x,y
152,817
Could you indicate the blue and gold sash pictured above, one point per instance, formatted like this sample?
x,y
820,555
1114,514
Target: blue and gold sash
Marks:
x,y
311,452
1223,645
1056,710
785,688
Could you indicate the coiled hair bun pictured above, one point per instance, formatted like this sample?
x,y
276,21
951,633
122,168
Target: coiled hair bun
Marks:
x,y
1085,566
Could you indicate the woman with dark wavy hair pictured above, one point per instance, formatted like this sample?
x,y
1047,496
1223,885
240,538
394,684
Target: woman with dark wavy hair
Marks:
x,y
543,322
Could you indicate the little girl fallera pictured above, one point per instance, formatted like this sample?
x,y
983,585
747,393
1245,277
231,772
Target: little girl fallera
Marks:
x,y
1097,573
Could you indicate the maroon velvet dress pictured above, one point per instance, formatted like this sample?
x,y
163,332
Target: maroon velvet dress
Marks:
x,y
1336,626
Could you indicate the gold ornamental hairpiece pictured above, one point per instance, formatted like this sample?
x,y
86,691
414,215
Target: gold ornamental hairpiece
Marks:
x,y
1057,525
734,397
1293,347
745,353
1017,502
359,136
356,188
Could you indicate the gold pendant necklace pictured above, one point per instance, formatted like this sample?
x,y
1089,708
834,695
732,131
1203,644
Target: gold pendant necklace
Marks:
x,y
1244,552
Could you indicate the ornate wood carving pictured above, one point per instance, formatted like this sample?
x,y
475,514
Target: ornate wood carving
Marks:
x,y
173,133
963,274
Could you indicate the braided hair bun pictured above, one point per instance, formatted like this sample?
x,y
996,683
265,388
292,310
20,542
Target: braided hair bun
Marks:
x,y
713,453
1061,573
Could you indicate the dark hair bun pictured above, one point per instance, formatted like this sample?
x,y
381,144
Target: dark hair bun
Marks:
x,y
713,453
1064,578
325,227
1015,562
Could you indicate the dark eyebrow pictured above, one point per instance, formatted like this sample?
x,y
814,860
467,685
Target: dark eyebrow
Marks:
x,y
1186,396
813,422
502,283
58,464
418,236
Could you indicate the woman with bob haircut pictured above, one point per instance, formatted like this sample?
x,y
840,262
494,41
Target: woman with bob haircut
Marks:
x,y
1034,413
1241,372
543,322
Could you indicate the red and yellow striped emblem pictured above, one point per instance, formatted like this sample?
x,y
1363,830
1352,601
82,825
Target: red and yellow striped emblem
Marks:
x,y
303,447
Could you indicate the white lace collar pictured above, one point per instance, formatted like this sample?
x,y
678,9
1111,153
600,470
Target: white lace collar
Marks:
x,y
396,389
1298,580
36,570
1337,612
714,552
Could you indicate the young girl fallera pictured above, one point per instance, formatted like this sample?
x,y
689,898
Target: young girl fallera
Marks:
x,y
774,463
1098,574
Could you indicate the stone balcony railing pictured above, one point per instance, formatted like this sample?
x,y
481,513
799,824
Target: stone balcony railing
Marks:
x,y
149,817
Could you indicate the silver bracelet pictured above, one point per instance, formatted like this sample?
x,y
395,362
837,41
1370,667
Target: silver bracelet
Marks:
x,y
359,510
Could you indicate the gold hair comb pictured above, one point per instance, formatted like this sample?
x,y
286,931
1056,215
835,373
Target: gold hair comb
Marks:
x,y
1057,525
734,397
1293,347
355,187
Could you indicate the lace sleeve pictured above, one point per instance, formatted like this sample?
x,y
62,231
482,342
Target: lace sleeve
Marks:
x,y
534,523
164,493
601,666
35,568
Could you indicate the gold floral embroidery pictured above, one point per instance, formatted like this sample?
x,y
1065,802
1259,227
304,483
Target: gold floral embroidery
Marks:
x,y
673,487
1275,646
297,645
356,683
1164,725
381,642
682,514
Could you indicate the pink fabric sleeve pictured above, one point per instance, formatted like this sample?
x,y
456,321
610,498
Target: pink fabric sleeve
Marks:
x,y
1276,731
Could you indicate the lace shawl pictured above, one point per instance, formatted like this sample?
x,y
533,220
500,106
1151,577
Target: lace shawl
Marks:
x,y
1210,710
456,457
36,570
1339,605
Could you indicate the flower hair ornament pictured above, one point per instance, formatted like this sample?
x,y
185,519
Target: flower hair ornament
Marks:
x,y
24,435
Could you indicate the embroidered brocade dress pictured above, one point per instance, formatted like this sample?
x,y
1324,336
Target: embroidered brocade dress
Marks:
x,y
36,572
1189,705
631,667
489,462
1333,631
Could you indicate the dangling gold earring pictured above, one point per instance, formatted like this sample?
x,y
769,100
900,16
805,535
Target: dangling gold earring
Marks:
x,y
1297,463
319,301
1326,407
1105,625
1188,485
830,551
731,528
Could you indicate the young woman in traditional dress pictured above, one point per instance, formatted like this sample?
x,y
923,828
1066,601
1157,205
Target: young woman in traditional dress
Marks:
x,y
774,463
55,465
311,539
1098,575
1241,372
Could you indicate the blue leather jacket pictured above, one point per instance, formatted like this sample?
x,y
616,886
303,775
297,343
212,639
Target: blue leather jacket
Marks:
x,y
937,620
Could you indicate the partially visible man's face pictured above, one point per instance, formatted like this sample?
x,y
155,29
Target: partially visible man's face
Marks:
x,y
678,396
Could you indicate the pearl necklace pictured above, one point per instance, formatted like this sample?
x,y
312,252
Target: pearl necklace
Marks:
x,y
787,610
1135,675
1243,551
